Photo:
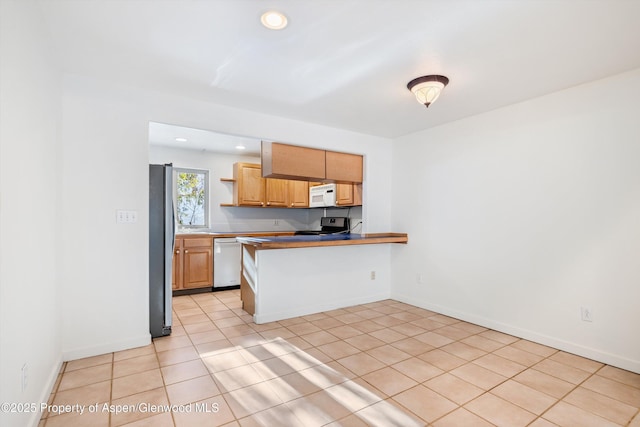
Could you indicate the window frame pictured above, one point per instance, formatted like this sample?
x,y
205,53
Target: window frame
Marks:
x,y
205,172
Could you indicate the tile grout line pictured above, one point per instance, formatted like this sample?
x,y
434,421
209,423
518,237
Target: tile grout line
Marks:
x,y
461,406
164,384
339,316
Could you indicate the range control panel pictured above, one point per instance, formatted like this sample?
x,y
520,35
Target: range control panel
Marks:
x,y
335,222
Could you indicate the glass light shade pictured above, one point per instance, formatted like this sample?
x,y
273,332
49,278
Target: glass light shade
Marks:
x,y
427,88
427,92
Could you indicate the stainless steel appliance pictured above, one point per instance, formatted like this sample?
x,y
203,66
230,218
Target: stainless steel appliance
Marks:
x,y
161,243
322,195
329,225
226,262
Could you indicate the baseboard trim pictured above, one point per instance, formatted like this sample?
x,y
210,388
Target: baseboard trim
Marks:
x,y
304,311
47,390
111,347
564,345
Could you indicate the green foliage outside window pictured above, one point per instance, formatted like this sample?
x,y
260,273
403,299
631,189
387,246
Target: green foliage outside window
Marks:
x,y
191,197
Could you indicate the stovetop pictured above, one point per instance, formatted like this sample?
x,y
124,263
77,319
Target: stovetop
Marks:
x,y
329,225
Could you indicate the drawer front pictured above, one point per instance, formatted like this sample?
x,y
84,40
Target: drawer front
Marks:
x,y
193,242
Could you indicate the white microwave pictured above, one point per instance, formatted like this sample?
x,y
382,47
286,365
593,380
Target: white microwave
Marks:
x,y
322,195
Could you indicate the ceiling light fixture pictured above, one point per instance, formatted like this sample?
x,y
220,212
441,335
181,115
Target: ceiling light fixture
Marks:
x,y
240,147
427,88
273,20
181,139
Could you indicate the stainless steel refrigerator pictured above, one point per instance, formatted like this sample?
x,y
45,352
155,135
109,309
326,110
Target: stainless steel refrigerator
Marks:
x,y
161,243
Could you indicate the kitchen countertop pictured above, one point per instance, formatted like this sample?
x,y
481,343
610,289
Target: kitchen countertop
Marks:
x,y
228,234
306,241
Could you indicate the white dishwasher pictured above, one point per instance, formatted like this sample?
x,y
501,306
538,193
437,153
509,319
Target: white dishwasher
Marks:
x,y
226,262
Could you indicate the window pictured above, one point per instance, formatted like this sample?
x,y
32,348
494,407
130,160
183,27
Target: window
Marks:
x,y
192,197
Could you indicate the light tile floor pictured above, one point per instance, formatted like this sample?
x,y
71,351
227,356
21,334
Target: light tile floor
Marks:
x,y
379,364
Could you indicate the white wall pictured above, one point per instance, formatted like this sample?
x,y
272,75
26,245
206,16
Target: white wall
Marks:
x,y
319,279
29,122
104,269
520,216
229,218
105,168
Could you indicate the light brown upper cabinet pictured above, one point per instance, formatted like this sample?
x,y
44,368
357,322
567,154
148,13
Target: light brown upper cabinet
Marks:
x,y
357,194
343,167
349,195
250,189
292,162
309,164
276,193
298,194
344,194
249,185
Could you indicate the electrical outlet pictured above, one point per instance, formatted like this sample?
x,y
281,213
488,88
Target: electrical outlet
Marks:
x,y
587,314
419,278
373,275
24,376
276,222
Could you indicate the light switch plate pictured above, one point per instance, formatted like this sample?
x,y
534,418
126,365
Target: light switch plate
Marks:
x,y
126,217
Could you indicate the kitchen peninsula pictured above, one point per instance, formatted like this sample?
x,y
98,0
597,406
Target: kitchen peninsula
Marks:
x,y
290,276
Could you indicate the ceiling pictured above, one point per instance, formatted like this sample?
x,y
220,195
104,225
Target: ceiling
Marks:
x,y
166,135
345,64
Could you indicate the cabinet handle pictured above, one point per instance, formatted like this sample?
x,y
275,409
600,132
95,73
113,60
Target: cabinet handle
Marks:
x,y
268,203
186,252
291,204
177,252
261,203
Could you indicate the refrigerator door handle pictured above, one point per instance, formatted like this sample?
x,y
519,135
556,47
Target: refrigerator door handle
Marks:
x,y
169,245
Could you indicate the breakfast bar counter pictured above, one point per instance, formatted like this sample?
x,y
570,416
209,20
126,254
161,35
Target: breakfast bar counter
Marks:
x,y
290,276
308,241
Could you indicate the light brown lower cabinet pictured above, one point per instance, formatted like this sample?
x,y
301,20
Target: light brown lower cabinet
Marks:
x,y
193,263
176,269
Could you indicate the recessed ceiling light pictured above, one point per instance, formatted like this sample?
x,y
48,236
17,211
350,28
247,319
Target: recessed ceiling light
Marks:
x,y
273,20
240,147
181,139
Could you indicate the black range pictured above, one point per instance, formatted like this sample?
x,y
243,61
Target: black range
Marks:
x,y
328,225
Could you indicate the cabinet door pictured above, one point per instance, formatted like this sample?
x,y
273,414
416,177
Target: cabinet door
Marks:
x,y
298,194
197,262
344,167
198,267
276,192
344,194
291,161
250,185
357,194
176,268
